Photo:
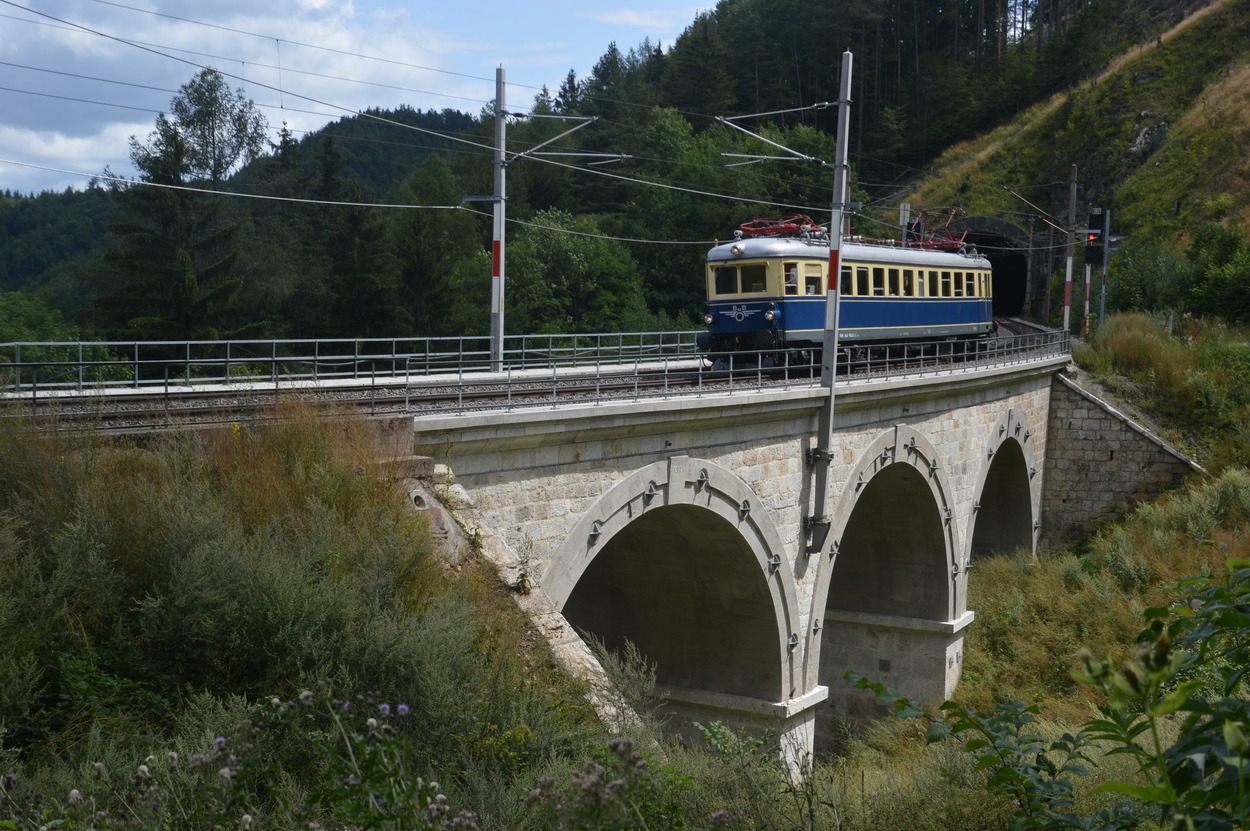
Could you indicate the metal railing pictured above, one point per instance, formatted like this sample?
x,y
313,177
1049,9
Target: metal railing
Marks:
x,y
668,363
34,367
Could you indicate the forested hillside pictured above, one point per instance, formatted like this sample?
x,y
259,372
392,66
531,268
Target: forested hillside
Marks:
x,y
332,252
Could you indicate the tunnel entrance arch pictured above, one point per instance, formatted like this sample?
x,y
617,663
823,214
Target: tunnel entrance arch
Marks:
x,y
1007,247
1003,517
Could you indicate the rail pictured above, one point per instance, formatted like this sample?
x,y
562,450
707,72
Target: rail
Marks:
x,y
555,368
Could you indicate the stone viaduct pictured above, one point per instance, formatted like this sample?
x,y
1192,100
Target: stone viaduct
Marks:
x,y
679,524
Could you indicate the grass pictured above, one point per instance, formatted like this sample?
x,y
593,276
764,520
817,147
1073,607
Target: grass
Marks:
x,y
1190,380
149,596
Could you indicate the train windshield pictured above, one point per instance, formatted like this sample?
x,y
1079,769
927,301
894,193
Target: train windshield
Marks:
x,y
744,279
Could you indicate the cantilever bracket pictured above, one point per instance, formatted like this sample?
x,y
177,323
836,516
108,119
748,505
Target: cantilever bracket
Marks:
x,y
815,454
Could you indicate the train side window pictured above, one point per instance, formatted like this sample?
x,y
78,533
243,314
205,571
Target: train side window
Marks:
x,y
812,279
754,279
847,285
878,282
791,270
894,289
861,281
988,283
727,279
946,284
957,284
933,285
971,290
909,283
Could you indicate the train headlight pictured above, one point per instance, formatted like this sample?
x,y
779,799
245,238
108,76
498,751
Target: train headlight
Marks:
x,y
770,315
736,250
708,320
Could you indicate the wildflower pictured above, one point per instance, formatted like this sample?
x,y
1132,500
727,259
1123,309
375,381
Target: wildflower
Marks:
x,y
306,697
75,797
99,768
384,708
220,742
246,820
173,758
275,702
143,771
402,709
372,723
466,821
225,773
347,706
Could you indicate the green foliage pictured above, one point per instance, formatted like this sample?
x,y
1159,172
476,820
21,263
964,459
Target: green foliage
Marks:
x,y
561,282
358,756
1189,664
617,790
222,128
1191,381
139,587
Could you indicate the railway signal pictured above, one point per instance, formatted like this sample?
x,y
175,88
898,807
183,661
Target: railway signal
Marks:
x,y
1095,251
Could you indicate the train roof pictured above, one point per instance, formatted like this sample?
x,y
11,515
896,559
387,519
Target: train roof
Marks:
x,y
800,247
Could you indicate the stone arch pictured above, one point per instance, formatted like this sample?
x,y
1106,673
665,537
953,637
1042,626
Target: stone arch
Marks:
x,y
1004,516
683,558
894,530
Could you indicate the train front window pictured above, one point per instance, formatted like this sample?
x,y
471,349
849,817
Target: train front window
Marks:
x,y
754,279
726,277
791,272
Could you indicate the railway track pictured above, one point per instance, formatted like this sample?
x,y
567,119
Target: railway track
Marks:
x,y
125,410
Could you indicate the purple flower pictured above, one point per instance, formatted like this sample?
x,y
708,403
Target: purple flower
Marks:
x,y
402,709
220,741
384,708
347,706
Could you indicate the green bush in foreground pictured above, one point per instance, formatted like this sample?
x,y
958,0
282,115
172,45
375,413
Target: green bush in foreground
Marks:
x,y
1189,663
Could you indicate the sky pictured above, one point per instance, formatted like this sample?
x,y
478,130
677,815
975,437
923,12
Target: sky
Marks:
x,y
78,78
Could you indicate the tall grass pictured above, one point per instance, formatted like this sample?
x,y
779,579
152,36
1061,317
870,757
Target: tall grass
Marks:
x,y
1188,374
148,595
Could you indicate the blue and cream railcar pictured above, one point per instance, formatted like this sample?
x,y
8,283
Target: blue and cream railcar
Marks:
x,y
767,295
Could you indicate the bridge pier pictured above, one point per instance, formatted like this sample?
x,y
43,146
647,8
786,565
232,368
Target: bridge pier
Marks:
x,y
920,658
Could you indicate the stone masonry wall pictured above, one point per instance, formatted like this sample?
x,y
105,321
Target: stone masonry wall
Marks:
x,y
1099,463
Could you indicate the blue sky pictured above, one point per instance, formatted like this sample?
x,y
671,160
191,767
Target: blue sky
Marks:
x,y
78,78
